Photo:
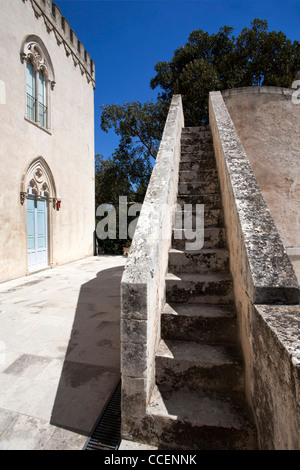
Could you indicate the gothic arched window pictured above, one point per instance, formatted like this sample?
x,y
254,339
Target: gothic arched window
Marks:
x,y
39,81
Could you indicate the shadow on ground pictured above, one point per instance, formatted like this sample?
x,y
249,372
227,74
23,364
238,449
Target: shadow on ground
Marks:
x,y
91,368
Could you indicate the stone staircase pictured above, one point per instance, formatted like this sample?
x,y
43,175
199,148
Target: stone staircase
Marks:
x,y
198,401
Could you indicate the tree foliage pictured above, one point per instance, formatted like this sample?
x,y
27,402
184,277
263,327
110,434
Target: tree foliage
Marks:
x,y
115,177
205,63
220,61
138,125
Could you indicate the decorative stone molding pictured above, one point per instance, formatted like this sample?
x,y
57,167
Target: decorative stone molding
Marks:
x,y
39,179
55,23
35,51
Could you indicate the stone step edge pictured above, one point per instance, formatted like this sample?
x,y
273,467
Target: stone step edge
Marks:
x,y
192,353
193,278
202,310
207,230
202,409
204,251
204,255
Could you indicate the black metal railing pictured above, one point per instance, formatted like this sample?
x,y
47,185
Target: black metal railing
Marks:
x,y
31,110
42,115
30,107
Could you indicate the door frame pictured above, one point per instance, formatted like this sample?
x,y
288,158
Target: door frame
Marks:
x,y
37,181
32,197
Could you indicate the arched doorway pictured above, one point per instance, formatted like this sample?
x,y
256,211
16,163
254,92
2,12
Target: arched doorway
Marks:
x,y
39,193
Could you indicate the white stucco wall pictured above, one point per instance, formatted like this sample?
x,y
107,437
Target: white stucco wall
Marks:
x,y
68,148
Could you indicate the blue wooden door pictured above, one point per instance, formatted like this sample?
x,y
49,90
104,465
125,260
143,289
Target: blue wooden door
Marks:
x,y
37,234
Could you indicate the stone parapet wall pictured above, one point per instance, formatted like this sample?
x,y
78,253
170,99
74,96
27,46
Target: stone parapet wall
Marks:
x,y
267,272
275,378
267,122
54,21
143,281
265,288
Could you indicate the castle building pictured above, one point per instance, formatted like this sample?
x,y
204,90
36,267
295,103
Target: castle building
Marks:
x,y
47,82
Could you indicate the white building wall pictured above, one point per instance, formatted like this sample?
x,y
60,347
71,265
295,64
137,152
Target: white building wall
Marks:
x,y
68,147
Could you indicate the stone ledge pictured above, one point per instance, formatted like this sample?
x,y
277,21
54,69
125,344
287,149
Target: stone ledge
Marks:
x,y
143,281
255,90
266,270
275,342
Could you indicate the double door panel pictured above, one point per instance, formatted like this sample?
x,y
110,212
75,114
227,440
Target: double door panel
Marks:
x,y
37,243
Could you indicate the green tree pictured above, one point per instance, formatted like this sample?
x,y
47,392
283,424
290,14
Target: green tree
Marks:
x,y
220,61
139,126
206,62
128,170
115,177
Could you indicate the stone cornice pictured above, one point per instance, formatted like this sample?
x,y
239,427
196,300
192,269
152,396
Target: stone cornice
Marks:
x,y
56,23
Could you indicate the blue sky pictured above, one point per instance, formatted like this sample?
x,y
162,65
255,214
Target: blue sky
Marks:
x,y
126,38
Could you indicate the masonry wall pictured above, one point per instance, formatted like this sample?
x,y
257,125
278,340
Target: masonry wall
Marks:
x,y
266,291
267,122
68,146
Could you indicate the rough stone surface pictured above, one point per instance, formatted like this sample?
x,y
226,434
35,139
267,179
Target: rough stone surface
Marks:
x,y
203,389
198,402
262,273
276,375
142,287
207,322
268,272
267,122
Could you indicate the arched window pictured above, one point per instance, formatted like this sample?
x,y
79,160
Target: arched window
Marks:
x,y
39,81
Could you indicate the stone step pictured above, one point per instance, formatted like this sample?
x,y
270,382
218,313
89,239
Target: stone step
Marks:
x,y
214,237
197,147
191,131
195,420
196,131
198,187
210,201
201,142
204,137
204,261
199,155
212,217
197,365
202,175
199,322
213,288
198,165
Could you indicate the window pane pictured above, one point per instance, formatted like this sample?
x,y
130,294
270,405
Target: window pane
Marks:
x,y
30,78
41,88
30,90
42,100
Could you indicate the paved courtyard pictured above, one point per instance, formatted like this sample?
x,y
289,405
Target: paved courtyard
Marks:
x,y
59,353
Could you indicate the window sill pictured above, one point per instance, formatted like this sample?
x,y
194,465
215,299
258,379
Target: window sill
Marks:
x,y
36,124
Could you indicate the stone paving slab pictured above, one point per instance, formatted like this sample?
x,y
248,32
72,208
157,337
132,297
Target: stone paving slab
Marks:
x,y
59,353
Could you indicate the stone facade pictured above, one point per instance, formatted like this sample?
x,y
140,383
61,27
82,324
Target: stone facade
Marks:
x,y
47,84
